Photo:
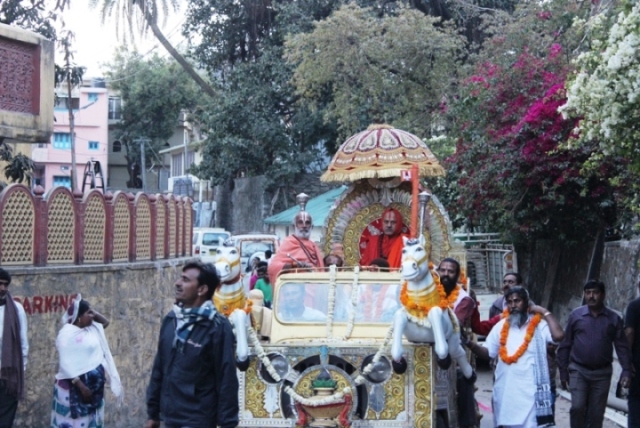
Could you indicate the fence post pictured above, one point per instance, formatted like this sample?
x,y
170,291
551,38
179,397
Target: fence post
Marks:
x,y
132,227
40,230
109,235
154,220
79,209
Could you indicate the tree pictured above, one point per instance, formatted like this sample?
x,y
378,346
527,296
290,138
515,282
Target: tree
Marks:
x,y
394,69
71,76
256,126
154,91
604,92
125,10
37,16
512,172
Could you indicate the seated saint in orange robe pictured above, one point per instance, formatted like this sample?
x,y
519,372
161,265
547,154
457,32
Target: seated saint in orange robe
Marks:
x,y
387,245
297,246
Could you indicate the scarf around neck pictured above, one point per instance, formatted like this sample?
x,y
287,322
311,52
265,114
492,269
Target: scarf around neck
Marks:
x,y
188,318
12,367
543,395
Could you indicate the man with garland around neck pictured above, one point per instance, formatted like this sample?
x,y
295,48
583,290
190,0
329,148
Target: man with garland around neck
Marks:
x,y
586,354
460,301
463,306
193,379
522,394
297,250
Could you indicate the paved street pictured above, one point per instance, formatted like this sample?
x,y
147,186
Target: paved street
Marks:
x,y
483,396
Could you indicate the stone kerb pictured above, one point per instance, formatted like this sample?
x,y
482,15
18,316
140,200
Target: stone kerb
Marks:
x,y
19,231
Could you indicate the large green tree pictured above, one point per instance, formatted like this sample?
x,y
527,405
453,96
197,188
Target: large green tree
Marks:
x,y
256,126
604,92
513,171
396,68
154,91
144,15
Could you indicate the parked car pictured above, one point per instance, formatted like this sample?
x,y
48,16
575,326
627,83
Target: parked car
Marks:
x,y
255,245
206,240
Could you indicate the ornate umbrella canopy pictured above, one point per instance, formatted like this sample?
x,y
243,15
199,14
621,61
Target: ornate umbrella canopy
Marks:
x,y
381,151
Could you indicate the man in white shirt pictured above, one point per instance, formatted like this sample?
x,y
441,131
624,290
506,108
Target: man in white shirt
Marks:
x,y
14,349
522,391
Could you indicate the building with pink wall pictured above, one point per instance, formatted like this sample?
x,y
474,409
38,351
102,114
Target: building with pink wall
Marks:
x,y
53,160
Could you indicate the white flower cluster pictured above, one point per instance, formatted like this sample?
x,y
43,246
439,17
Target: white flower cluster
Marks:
x,y
332,304
606,88
332,300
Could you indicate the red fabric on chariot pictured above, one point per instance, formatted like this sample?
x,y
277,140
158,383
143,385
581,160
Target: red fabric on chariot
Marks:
x,y
303,250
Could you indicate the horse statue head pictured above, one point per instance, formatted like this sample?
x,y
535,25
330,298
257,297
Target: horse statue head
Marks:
x,y
227,262
424,316
415,261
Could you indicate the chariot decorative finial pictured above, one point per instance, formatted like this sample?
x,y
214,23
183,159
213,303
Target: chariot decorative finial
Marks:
x,y
424,198
302,200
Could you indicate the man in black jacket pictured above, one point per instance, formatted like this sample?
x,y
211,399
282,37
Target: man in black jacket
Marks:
x,y
193,380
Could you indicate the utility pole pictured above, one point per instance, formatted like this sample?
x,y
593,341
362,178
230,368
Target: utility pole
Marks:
x,y
72,75
143,166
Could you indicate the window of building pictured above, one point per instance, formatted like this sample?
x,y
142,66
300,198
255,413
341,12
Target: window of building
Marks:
x,y
61,180
176,165
93,97
117,146
93,145
61,140
61,103
115,108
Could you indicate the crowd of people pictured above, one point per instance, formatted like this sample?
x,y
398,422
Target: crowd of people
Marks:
x,y
193,379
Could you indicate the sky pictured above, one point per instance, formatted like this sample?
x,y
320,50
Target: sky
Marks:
x,y
96,43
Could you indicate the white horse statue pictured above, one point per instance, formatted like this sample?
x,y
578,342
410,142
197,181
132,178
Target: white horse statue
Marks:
x,y
422,318
230,298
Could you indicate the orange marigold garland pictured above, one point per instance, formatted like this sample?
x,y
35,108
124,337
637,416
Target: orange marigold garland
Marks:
x,y
421,310
504,333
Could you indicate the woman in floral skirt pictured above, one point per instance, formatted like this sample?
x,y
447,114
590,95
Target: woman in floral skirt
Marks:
x,y
85,359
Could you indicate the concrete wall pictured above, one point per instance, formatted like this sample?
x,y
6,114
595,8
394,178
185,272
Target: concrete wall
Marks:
x,y
619,272
241,205
134,296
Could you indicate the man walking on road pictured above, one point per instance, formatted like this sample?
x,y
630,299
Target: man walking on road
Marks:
x,y
632,331
522,393
585,356
14,349
193,380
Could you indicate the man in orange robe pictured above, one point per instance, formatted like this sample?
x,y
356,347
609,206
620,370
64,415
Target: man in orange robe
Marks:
x,y
387,245
297,246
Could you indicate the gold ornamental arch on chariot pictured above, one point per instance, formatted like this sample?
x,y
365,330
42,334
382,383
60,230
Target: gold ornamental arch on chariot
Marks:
x,y
374,161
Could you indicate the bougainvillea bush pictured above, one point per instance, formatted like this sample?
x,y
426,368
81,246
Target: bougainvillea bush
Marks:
x,y
513,173
605,90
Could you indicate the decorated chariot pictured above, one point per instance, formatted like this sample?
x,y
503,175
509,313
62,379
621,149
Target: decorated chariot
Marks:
x,y
344,349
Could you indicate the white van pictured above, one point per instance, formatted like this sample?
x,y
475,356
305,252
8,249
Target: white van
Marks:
x,y
206,240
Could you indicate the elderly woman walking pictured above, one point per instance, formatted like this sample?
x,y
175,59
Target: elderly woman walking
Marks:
x,y
78,394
